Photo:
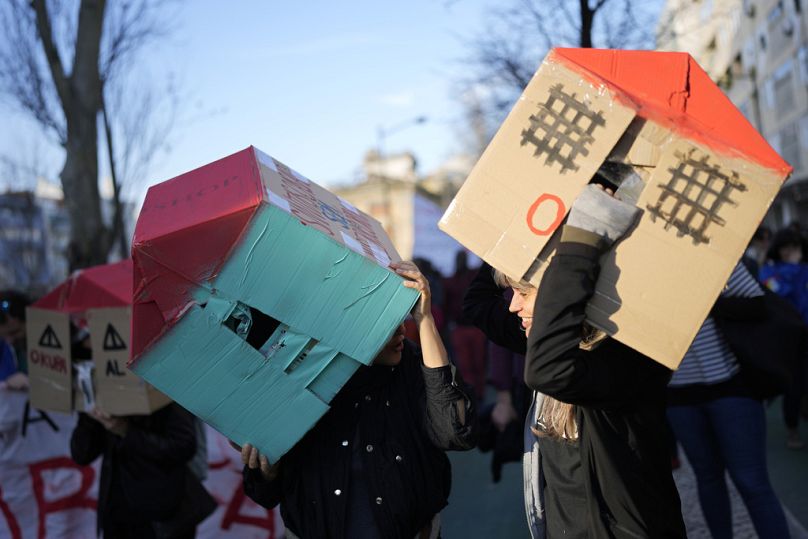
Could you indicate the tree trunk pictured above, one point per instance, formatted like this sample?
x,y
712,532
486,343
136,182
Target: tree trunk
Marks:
x,y
88,236
587,17
89,239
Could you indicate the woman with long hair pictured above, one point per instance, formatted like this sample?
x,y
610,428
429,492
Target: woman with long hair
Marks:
x,y
597,461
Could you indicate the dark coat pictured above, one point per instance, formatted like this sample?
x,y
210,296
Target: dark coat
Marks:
x,y
406,418
619,393
143,472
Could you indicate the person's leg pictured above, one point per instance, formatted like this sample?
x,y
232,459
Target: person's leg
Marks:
x,y
740,426
692,428
465,356
479,348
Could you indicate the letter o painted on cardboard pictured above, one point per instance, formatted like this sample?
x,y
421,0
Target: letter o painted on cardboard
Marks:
x,y
561,211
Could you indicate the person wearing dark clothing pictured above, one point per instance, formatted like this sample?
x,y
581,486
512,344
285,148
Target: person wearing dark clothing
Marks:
x,y
599,465
468,343
143,469
786,274
13,355
501,422
375,464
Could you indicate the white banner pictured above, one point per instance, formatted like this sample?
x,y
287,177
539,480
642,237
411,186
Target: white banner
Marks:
x,y
45,495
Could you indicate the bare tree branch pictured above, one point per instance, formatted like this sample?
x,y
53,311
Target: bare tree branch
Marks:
x,y
506,52
45,33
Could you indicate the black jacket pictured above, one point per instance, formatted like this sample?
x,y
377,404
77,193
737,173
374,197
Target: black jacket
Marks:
x,y
620,395
406,418
142,473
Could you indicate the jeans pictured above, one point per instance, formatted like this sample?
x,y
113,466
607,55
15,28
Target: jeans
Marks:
x,y
730,434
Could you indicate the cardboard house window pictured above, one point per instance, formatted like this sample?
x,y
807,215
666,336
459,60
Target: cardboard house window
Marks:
x,y
253,326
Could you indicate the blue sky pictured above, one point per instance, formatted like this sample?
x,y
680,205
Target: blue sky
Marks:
x,y
307,82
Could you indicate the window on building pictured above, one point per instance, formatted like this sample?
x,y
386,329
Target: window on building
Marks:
x,y
790,146
783,87
778,23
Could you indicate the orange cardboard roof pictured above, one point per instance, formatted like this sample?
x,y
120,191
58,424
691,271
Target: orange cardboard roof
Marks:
x,y
672,89
109,285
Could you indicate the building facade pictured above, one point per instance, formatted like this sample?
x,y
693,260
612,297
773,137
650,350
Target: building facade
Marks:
x,y
757,52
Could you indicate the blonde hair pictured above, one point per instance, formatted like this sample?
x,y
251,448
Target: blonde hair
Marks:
x,y
556,419
503,281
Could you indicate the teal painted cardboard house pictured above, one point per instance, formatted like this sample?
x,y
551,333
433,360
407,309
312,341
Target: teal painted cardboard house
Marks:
x,y
257,295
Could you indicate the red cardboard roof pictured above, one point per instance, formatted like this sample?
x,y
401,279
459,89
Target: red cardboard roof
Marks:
x,y
214,202
672,89
109,285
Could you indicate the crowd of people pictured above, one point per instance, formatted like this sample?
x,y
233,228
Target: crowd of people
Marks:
x,y
492,361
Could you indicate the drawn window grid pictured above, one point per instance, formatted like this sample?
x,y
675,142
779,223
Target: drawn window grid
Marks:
x,y
700,190
561,129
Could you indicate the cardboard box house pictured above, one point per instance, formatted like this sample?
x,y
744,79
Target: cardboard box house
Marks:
x,y
97,299
257,295
659,128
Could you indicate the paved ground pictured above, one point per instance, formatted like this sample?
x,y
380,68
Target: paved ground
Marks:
x,y
480,509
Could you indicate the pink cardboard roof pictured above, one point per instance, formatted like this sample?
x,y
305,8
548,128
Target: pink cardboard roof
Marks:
x,y
217,206
681,96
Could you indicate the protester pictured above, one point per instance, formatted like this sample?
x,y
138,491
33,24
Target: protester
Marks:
x,y
501,422
786,275
597,462
13,363
374,465
146,489
755,255
468,343
720,422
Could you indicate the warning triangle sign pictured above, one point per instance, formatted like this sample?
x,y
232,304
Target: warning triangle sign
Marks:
x,y
49,339
113,340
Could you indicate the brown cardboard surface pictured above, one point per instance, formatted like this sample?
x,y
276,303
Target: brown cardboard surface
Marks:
x,y
647,296
118,390
522,186
701,203
323,210
49,361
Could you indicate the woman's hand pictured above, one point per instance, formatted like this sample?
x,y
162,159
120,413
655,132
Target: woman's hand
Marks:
x,y
503,412
17,382
415,279
116,425
253,459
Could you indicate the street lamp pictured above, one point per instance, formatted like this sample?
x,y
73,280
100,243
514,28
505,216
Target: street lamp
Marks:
x,y
383,132
381,135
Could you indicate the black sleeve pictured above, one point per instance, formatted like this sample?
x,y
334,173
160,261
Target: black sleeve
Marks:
x,y
443,396
740,308
87,440
263,492
177,442
555,364
487,309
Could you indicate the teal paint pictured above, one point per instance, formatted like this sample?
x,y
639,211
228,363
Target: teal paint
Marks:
x,y
337,310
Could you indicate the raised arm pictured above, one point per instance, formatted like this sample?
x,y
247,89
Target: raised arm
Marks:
x,y
555,364
487,309
450,413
